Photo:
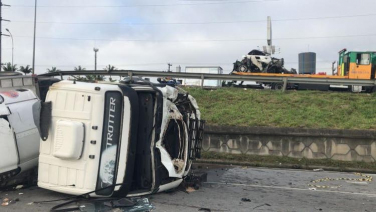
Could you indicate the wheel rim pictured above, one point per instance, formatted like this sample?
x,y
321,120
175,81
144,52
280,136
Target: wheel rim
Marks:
x,y
243,68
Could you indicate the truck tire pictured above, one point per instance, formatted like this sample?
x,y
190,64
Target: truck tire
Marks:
x,y
277,86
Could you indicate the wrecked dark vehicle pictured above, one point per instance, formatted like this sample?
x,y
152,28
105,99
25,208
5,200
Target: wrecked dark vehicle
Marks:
x,y
19,136
259,62
118,140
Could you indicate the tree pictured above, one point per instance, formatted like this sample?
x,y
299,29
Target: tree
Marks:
x,y
26,70
9,67
52,70
79,68
110,68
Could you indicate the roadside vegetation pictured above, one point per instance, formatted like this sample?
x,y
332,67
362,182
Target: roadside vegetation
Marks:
x,y
302,109
286,162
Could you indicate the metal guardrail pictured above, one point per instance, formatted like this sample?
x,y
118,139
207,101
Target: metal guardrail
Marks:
x,y
203,76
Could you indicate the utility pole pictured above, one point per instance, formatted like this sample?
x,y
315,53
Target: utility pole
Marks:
x,y
95,60
35,29
169,66
1,33
11,36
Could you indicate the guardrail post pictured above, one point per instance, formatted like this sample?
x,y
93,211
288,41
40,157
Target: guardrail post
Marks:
x,y
130,74
284,84
202,80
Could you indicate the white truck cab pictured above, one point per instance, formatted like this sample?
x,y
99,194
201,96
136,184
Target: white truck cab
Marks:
x,y
118,140
19,136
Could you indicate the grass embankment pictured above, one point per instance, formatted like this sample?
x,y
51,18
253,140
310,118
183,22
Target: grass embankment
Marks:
x,y
287,162
302,109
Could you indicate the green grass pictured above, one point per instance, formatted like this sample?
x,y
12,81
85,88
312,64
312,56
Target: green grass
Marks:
x,y
302,109
277,161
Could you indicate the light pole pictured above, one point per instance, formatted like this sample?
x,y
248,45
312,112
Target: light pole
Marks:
x,y
95,60
11,36
35,29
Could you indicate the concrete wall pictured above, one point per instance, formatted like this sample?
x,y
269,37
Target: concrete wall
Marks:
x,y
347,145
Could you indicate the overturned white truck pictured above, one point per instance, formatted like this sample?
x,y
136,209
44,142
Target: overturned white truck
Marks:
x,y
118,140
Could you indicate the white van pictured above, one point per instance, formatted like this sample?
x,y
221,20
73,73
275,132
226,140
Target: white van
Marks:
x,y
118,140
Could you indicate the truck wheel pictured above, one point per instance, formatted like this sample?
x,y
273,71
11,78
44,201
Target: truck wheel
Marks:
x,y
242,68
277,86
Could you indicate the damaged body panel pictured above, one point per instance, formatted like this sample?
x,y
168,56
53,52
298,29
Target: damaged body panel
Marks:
x,y
134,139
18,133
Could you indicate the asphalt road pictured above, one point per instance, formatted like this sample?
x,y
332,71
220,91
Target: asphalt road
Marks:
x,y
267,190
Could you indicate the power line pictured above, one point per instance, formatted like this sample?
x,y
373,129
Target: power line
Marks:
x,y
146,5
198,23
161,64
198,41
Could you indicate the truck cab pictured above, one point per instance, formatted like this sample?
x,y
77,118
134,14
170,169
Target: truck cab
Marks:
x,y
18,132
117,139
357,65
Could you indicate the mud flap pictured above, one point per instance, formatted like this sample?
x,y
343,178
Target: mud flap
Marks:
x,y
42,113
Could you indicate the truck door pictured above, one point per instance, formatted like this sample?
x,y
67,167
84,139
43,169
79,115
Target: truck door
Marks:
x,y
346,65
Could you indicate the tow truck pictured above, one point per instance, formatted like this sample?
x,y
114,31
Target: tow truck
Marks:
x,y
351,65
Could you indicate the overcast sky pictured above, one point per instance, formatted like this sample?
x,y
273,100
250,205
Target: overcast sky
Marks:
x,y
146,34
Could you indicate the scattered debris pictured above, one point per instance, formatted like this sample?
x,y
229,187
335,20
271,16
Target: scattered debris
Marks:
x,y
124,204
19,187
190,189
120,203
195,181
246,200
265,204
318,170
204,209
7,201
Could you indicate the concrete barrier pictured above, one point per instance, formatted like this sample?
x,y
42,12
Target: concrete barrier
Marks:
x,y
345,145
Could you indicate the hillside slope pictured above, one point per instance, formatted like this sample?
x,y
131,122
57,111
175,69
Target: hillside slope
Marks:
x,y
303,109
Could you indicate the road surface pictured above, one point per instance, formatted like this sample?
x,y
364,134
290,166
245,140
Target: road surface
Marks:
x,y
265,189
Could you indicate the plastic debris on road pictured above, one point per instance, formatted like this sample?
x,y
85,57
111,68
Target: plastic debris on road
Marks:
x,y
138,205
7,201
246,200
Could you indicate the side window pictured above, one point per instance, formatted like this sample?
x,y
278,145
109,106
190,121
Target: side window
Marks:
x,y
363,59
